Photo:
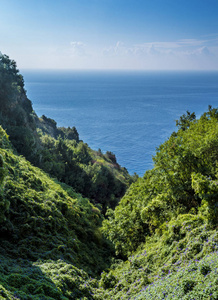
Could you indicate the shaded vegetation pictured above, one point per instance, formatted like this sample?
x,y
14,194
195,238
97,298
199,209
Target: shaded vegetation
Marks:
x,y
57,150
162,240
44,223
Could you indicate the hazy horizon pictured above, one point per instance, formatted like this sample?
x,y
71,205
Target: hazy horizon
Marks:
x,y
111,34
120,70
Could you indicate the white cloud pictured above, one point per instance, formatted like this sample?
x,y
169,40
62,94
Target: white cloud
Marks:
x,y
191,42
78,49
118,50
178,48
183,54
179,54
202,51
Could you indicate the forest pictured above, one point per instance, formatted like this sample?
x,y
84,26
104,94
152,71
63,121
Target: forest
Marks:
x,y
76,225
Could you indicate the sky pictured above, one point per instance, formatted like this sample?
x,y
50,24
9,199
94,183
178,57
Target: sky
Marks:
x,y
110,34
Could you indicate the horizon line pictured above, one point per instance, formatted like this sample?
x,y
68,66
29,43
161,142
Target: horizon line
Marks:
x,y
118,70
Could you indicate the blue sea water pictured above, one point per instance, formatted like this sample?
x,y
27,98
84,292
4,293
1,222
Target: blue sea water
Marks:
x,y
128,113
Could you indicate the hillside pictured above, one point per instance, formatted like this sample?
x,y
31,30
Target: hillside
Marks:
x,y
45,225
159,241
165,227
57,150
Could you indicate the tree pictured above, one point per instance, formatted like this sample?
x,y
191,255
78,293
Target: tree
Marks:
x,y
185,120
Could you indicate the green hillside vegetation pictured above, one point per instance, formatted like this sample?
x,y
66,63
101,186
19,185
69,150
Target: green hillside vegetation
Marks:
x,y
165,227
47,230
159,241
57,150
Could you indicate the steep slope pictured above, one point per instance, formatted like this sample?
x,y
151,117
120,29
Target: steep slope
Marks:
x,y
50,242
58,151
165,226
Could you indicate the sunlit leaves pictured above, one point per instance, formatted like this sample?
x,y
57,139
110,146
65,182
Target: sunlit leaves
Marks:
x,y
170,188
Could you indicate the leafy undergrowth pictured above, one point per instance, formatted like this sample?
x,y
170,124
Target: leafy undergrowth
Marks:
x,y
52,246
187,251
50,241
196,280
167,221
23,279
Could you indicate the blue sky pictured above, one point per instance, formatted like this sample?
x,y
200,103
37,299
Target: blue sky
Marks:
x,y
110,34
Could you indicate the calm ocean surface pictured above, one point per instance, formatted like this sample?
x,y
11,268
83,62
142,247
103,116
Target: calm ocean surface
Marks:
x,y
128,113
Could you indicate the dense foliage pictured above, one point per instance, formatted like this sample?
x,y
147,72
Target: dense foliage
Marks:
x,y
183,180
46,225
57,150
162,236
89,172
179,263
166,224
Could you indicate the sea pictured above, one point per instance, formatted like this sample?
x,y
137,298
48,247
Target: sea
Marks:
x,y
129,113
